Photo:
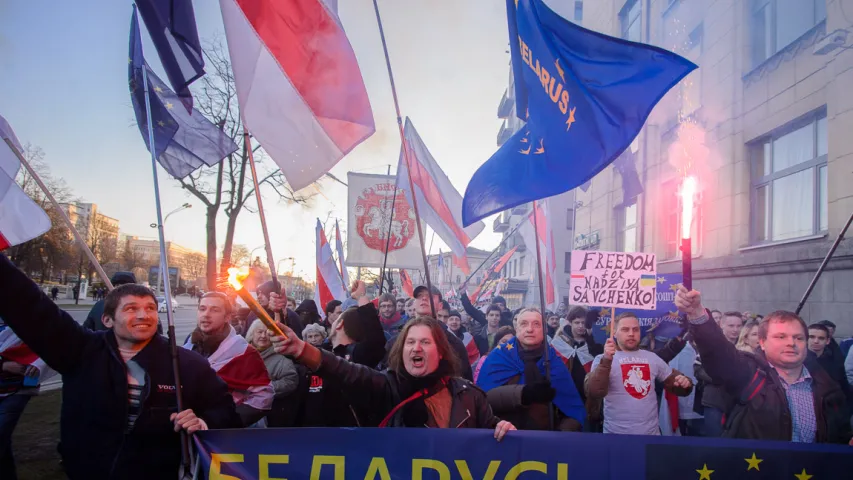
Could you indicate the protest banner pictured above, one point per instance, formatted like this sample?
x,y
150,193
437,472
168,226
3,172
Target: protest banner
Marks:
x,y
663,319
424,453
614,279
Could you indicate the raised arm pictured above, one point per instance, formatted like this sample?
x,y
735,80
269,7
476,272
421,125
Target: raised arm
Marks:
x,y
723,363
471,310
49,331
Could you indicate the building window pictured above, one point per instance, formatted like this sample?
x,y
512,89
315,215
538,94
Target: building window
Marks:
x,y
570,219
629,19
777,23
691,86
789,197
567,262
578,12
626,218
521,266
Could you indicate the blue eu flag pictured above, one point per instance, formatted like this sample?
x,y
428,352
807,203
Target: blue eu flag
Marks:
x,y
183,141
585,97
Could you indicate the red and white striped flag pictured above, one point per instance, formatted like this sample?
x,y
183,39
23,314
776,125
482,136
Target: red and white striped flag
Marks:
x,y
20,218
328,285
439,202
300,89
545,236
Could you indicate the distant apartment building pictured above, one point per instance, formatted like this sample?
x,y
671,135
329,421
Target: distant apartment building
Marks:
x,y
100,231
186,265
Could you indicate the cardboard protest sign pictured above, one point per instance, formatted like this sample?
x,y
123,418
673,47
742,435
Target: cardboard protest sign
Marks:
x,y
663,320
614,279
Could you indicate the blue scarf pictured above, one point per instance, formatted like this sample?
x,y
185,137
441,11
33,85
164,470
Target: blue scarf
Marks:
x,y
504,363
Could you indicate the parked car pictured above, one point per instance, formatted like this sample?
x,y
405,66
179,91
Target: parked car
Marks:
x,y
162,302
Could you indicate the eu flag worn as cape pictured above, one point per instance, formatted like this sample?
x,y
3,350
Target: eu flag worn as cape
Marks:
x,y
585,97
183,142
504,362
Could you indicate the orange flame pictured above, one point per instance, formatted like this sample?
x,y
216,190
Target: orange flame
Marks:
x,y
688,194
236,277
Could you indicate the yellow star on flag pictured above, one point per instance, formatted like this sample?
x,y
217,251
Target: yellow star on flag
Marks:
x,y
158,89
169,105
500,345
509,346
571,119
803,475
661,280
704,474
161,123
753,462
673,287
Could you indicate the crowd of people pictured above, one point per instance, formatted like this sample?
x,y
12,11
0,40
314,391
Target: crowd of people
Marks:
x,y
412,362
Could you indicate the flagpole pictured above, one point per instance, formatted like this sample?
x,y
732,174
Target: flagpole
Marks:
x,y
186,460
545,356
405,155
390,225
509,235
268,247
77,236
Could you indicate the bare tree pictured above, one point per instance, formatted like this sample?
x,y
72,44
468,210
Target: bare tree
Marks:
x,y
53,251
240,255
194,266
228,186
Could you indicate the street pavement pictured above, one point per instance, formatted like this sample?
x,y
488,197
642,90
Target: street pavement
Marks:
x,y
184,318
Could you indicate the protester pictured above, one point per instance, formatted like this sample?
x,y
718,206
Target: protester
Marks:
x,y
392,320
504,335
630,405
283,374
819,339
552,321
747,341
410,308
333,310
718,315
21,374
474,345
54,292
488,324
421,388
314,334
833,345
93,319
238,365
401,307
112,432
782,394
716,401
291,303
265,292
576,348
506,315
308,313
518,386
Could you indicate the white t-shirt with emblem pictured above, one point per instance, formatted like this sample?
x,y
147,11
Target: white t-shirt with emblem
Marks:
x,y
631,406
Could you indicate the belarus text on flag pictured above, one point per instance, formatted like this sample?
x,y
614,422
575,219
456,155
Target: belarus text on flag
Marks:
x,y
298,82
20,218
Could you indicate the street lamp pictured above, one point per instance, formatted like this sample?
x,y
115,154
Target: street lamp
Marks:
x,y
154,225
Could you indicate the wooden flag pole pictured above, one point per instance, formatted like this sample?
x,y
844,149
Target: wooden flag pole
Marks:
x,y
77,236
276,286
545,356
406,156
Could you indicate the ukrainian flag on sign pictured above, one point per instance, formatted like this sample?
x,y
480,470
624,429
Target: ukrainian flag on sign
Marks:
x,y
648,280
585,97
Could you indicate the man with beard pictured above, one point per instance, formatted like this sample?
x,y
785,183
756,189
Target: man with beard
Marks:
x,y
474,345
518,387
236,362
391,319
628,390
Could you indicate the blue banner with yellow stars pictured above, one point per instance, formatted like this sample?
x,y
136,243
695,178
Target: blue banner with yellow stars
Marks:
x,y
183,140
584,96
663,321
426,453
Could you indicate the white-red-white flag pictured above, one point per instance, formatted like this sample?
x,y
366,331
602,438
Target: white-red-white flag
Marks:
x,y
20,218
300,89
439,203
545,236
328,285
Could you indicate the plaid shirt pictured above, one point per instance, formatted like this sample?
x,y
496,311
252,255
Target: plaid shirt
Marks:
x,y
801,405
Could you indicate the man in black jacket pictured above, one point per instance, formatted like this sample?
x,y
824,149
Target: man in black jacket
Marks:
x,y
119,412
93,320
781,394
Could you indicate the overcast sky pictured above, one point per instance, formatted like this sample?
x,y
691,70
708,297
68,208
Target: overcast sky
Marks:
x,y
63,78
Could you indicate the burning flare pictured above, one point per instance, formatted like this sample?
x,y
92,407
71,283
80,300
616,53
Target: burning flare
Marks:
x,y
236,277
688,194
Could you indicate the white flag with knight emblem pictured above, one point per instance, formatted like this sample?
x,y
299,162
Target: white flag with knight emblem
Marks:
x,y
371,222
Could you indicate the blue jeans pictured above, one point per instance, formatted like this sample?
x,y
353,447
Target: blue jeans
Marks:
x,y
713,422
11,409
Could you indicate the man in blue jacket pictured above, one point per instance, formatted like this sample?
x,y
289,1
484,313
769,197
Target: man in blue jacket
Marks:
x,y
119,414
